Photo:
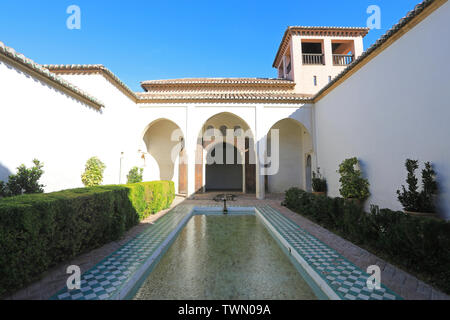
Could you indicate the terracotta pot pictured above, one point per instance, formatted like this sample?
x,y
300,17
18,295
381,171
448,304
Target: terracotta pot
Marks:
x,y
318,193
422,214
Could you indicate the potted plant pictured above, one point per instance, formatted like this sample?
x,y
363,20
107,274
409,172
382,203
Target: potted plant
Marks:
x,y
415,202
319,183
353,186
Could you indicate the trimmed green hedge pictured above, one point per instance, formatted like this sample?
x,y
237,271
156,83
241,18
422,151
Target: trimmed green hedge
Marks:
x,y
418,244
40,231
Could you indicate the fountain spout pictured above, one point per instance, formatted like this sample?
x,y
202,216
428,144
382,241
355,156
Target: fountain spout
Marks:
x,y
225,209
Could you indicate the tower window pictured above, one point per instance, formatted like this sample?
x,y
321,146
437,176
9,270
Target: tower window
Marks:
x,y
329,78
315,81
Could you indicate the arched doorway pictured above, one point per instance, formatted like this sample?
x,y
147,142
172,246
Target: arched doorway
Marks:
x,y
164,142
231,135
221,173
294,144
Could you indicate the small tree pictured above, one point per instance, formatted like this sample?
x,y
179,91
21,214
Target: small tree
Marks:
x,y
411,198
319,183
135,175
25,181
430,188
353,185
93,174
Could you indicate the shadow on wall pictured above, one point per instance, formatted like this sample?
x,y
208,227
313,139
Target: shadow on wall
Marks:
x,y
4,173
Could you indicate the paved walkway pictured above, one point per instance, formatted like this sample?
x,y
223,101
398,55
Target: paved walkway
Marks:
x,y
401,282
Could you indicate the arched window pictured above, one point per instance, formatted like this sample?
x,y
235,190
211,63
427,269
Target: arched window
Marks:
x,y
209,131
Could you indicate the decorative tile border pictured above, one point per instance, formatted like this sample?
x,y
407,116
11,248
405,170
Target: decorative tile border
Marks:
x,y
117,273
115,276
326,266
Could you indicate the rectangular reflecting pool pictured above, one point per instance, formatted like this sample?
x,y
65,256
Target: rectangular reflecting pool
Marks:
x,y
224,257
197,252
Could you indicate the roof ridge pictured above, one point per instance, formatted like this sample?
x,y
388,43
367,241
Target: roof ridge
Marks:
x,y
330,27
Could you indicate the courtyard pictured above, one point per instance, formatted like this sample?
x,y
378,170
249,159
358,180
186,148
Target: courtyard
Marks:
x,y
328,180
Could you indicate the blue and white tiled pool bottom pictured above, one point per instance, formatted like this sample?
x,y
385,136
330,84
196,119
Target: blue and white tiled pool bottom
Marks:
x,y
115,276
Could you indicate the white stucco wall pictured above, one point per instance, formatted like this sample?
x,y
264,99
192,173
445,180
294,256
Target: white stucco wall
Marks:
x,y
38,121
116,132
395,107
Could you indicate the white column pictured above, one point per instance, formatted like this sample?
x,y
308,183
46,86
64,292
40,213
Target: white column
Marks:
x,y
260,170
191,147
244,186
328,52
260,147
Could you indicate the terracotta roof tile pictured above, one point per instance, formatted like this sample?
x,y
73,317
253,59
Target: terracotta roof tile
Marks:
x,y
91,68
229,96
219,81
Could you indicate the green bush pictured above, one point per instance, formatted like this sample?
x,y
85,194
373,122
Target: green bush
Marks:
x,y
93,173
319,183
40,231
353,185
418,244
135,175
25,181
412,199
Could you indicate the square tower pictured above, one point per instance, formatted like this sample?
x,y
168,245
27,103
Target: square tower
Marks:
x,y
313,56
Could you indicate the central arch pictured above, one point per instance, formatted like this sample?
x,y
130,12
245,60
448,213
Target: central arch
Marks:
x,y
222,174
231,136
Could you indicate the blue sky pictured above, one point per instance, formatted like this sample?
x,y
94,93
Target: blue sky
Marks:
x,y
143,40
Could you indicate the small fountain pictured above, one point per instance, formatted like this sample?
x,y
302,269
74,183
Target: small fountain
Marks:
x,y
224,198
225,209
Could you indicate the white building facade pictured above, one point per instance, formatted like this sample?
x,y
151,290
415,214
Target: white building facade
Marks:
x,y
331,101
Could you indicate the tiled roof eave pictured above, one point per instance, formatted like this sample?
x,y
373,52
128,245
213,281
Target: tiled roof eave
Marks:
x,y
90,69
225,99
257,84
33,68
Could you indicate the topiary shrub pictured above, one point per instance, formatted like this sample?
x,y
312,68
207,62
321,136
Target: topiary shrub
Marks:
x,y
93,174
353,185
135,175
418,244
39,231
413,200
25,181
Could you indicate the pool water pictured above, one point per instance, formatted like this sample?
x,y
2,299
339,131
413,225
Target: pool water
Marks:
x,y
224,257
